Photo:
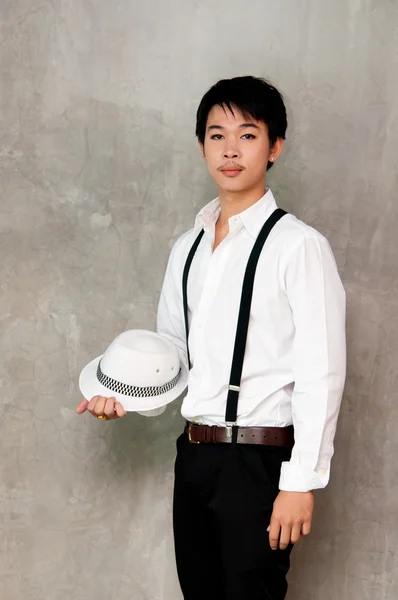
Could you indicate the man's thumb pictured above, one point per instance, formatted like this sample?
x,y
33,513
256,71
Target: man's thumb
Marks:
x,y
82,407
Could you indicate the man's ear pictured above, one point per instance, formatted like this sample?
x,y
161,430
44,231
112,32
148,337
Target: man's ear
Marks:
x,y
202,149
276,149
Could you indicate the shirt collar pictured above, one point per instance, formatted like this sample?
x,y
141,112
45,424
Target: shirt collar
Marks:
x,y
207,217
253,218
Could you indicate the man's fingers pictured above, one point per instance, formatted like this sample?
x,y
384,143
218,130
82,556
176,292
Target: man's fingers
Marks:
x,y
295,534
82,407
91,404
96,405
306,528
274,530
109,408
285,537
99,405
113,409
120,410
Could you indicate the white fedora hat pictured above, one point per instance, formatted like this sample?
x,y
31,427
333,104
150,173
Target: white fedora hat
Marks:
x,y
140,369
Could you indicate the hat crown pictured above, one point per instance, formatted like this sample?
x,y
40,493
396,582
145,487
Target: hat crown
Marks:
x,y
141,358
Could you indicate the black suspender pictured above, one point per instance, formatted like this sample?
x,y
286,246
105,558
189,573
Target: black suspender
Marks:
x,y
244,315
244,311
185,288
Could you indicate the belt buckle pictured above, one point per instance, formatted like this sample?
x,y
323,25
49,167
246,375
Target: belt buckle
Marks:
x,y
191,441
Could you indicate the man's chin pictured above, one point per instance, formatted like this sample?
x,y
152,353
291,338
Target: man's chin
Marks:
x,y
232,184
233,187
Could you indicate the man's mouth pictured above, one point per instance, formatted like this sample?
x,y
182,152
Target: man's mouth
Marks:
x,y
231,171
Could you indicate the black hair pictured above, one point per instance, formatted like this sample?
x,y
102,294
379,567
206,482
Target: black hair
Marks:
x,y
254,97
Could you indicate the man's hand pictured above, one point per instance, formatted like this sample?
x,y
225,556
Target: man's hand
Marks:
x,y
99,405
291,518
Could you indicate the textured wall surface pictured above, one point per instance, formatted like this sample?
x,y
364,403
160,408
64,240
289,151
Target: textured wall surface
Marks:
x,y
99,174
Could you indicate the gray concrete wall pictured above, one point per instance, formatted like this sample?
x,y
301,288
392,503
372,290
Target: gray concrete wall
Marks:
x,y
99,174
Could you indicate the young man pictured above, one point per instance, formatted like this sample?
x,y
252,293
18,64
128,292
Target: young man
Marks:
x,y
243,484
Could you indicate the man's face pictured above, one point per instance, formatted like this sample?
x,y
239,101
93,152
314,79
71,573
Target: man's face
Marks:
x,y
236,150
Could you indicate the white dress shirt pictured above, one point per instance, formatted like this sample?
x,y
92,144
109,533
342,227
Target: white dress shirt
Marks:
x,y
295,360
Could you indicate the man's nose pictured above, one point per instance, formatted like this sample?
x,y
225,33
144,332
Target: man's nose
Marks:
x,y
231,153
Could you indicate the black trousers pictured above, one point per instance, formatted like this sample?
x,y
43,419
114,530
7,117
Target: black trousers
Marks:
x,y
223,500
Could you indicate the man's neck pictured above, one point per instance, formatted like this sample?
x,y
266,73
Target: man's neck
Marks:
x,y
234,203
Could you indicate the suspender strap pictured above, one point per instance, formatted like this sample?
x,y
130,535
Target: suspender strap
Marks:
x,y
244,315
244,312
185,286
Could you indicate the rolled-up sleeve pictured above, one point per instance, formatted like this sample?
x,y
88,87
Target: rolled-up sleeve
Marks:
x,y
318,303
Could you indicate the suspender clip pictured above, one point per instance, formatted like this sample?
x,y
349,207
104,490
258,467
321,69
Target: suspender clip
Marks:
x,y
234,388
229,425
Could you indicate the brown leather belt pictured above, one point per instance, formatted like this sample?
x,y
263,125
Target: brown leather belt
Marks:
x,y
266,436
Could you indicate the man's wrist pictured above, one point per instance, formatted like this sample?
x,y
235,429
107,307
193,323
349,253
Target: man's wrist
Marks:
x,y
296,491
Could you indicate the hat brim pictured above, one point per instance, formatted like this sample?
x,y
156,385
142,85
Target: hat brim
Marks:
x,y
90,386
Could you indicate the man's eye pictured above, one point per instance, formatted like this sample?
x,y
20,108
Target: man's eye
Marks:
x,y
216,136
249,136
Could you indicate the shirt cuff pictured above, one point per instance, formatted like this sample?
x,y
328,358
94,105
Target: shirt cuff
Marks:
x,y
154,412
296,478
